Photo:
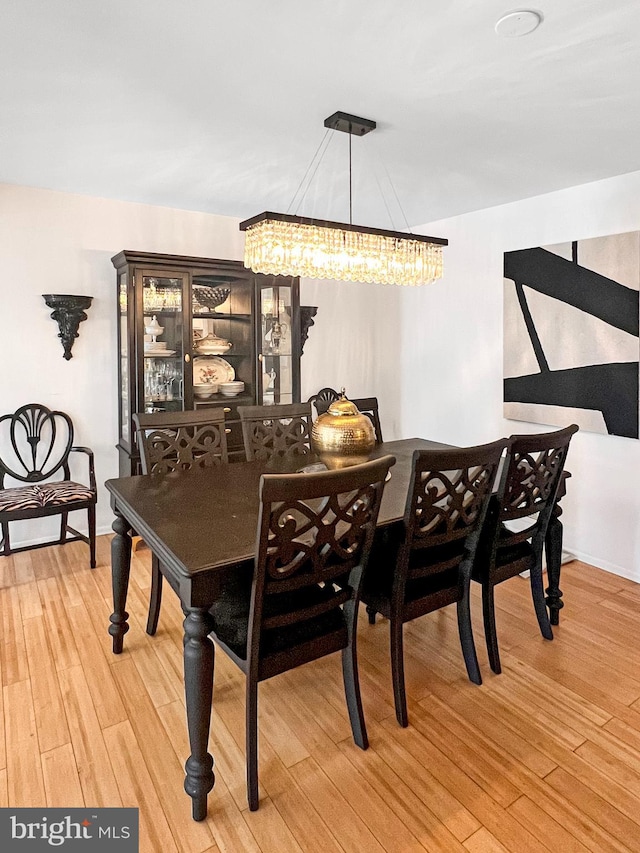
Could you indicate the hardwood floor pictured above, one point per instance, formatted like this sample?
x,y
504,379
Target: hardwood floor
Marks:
x,y
544,757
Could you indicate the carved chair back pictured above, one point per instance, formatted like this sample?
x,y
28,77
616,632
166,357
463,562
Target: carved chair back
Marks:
x,y
177,441
281,430
36,443
529,485
447,502
313,530
366,406
325,394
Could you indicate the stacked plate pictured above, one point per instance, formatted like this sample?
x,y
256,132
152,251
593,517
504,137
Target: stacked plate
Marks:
x,y
231,389
157,348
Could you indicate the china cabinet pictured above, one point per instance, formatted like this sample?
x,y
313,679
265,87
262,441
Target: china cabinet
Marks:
x,y
199,332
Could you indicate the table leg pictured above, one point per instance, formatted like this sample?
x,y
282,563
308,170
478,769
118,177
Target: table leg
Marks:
x,y
553,549
120,568
198,681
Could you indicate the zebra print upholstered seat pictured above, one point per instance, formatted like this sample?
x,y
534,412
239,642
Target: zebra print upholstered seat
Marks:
x,y
49,494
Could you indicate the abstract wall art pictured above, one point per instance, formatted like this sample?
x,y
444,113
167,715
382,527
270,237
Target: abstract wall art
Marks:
x,y
571,345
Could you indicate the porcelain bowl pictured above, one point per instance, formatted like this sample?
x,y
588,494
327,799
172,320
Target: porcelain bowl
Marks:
x,y
231,389
203,390
212,345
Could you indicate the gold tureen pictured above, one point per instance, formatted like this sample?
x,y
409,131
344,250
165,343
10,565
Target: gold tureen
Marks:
x,y
342,436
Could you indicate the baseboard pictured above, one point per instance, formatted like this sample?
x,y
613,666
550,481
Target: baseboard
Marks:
x,y
605,565
39,540
567,557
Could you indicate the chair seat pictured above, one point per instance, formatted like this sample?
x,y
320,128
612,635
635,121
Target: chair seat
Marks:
x,y
230,619
514,553
37,496
378,580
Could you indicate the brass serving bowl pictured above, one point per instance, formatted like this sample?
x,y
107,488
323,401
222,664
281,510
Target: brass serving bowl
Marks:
x,y
342,436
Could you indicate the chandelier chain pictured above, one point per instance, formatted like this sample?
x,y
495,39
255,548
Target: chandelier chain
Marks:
x,y
325,141
350,178
393,189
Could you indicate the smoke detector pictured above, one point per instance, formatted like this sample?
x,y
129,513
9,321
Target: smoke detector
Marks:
x,y
519,23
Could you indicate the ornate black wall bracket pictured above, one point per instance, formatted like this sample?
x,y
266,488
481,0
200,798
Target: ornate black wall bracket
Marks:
x,y
307,313
68,312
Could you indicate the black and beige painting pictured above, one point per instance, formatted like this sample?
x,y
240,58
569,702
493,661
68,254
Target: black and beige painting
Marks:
x,y
571,346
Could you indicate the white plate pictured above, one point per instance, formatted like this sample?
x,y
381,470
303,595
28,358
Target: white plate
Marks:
x,y
212,368
159,352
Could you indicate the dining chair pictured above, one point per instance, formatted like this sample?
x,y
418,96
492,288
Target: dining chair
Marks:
x,y
280,430
366,406
427,564
516,526
37,444
313,541
177,441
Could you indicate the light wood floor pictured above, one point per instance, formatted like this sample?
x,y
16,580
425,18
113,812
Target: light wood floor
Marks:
x,y
544,757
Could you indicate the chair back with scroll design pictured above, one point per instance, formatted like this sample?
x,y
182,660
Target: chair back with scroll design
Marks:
x,y
37,443
280,430
365,405
427,564
178,441
313,541
325,395
519,516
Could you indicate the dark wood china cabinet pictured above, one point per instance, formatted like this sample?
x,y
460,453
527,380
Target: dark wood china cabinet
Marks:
x,y
186,326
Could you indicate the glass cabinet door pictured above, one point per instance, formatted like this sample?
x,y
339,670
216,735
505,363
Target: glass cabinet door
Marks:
x,y
276,343
163,334
126,372
222,325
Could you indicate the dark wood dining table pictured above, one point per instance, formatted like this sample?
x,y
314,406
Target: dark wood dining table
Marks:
x,y
201,525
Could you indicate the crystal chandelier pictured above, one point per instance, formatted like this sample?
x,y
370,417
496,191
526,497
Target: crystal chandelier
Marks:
x,y
283,244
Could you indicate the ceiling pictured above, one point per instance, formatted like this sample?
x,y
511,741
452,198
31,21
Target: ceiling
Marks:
x,y
218,105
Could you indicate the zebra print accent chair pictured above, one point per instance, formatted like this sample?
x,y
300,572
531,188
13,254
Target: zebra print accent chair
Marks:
x,y
35,444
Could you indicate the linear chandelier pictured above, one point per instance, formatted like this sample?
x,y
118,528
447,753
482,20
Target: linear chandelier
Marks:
x,y
284,244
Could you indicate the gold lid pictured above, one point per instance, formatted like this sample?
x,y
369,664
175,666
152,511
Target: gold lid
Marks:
x,y
342,406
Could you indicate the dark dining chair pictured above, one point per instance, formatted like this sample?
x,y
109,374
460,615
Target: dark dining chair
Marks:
x,y
427,564
366,406
516,526
313,541
177,441
280,430
37,444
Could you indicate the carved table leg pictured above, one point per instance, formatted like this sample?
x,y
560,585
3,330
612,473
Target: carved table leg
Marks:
x,y
120,567
553,548
198,681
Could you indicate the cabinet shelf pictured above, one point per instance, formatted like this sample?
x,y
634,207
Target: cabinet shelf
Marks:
x,y
220,399
214,315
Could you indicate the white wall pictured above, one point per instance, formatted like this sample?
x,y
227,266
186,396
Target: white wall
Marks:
x,y
452,357
356,344
54,242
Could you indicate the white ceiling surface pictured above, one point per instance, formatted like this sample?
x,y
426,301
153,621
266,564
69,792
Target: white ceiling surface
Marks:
x,y
218,105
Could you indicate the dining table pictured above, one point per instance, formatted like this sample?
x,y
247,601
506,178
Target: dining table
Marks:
x,y
201,525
